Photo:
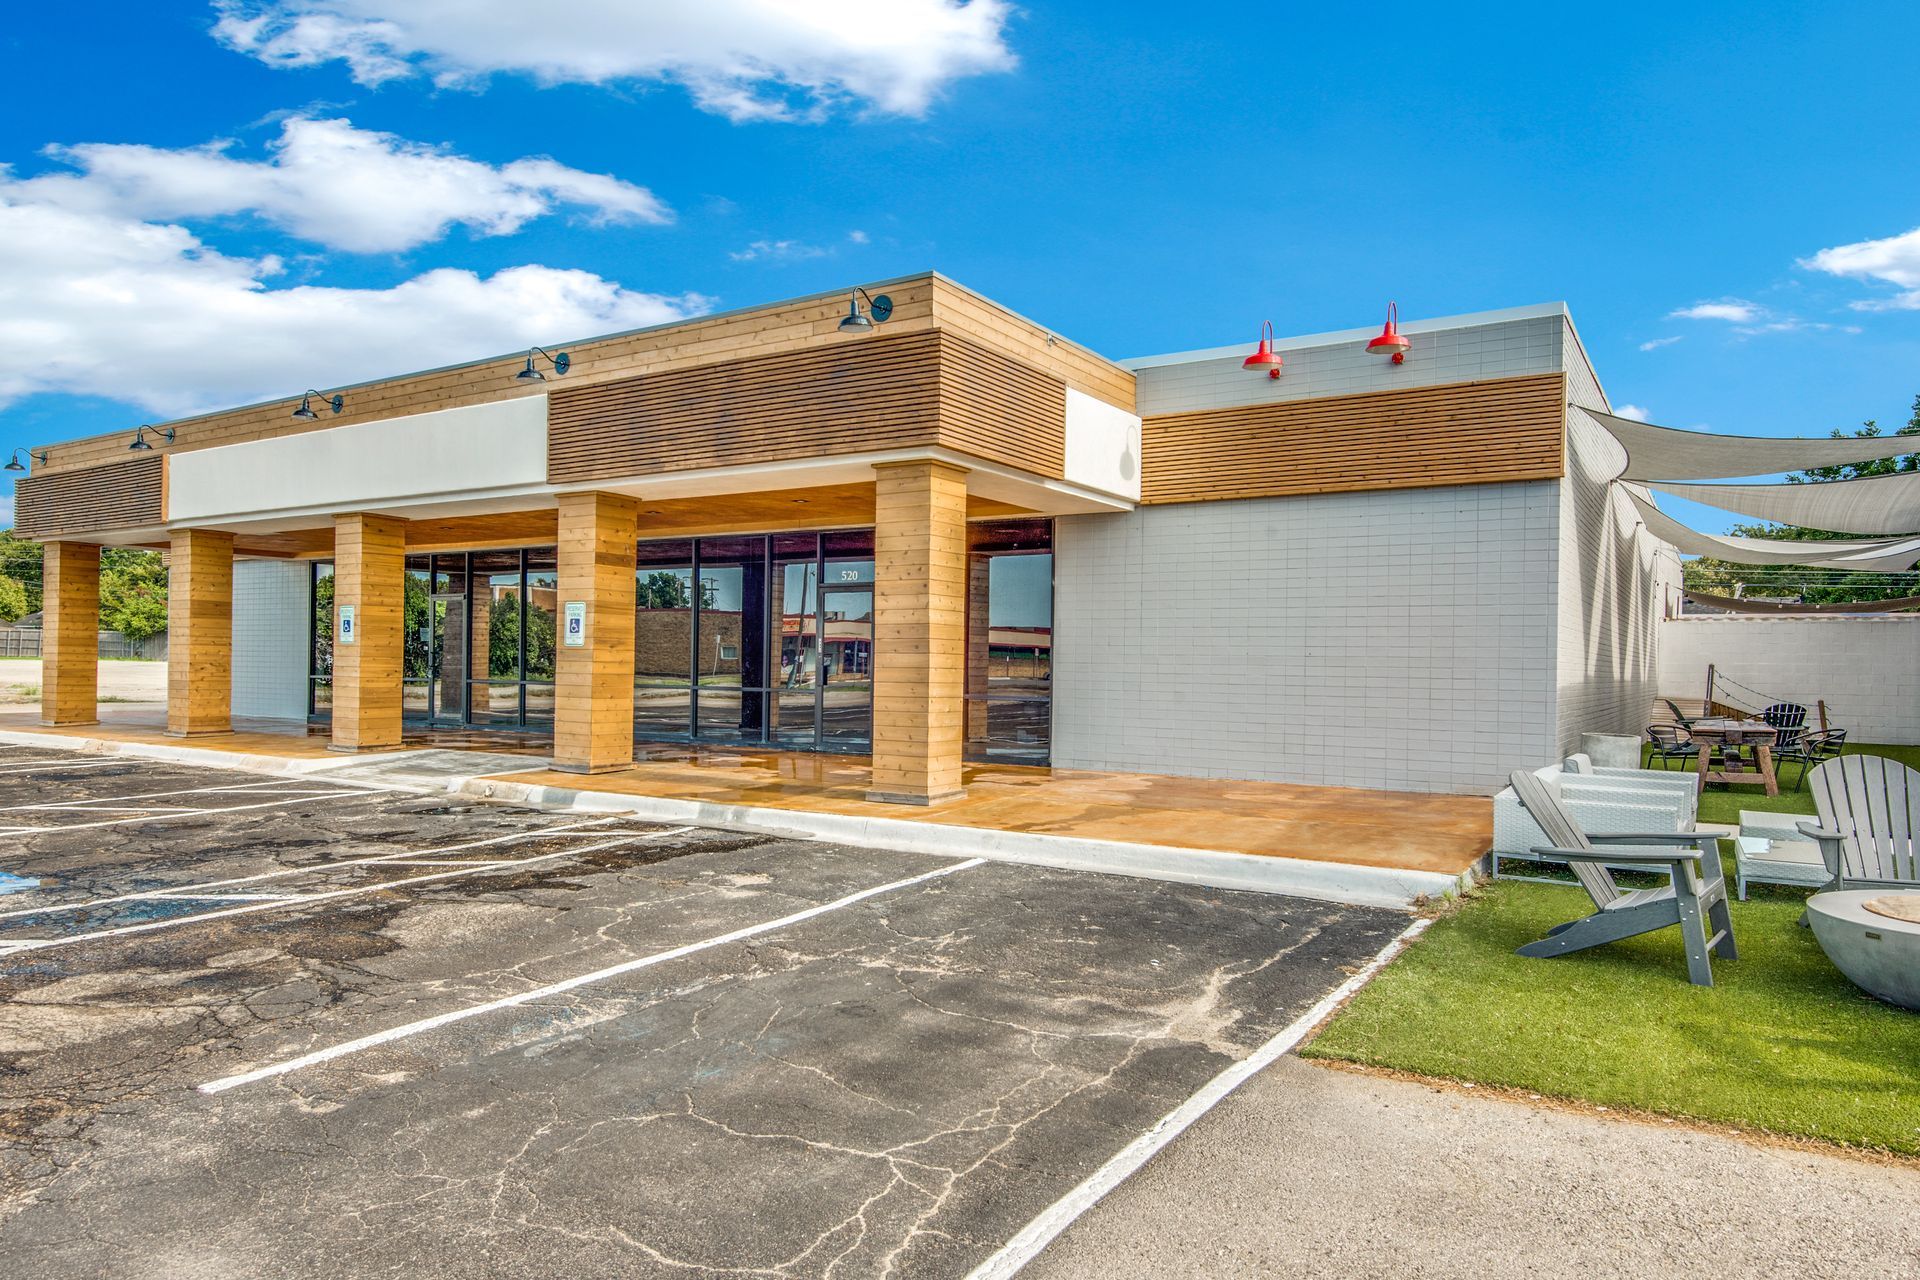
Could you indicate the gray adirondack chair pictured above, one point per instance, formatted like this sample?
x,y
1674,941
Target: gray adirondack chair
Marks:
x,y
1696,900
1869,818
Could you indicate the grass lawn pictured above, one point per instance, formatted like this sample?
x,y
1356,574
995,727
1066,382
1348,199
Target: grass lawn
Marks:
x,y
1782,1042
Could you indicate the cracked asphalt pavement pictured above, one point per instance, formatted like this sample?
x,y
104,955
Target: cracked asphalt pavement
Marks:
x,y
890,1085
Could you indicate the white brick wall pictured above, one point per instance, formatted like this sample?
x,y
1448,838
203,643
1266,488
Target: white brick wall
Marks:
x,y
1867,669
270,639
1503,349
1398,640
1614,580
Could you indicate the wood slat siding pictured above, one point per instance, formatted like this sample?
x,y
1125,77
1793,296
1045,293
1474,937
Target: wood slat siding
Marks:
x,y
767,331
369,563
772,333
593,706
959,309
1486,432
120,495
919,615
200,633
898,391
70,635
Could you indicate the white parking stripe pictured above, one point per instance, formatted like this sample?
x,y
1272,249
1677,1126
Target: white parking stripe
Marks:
x,y
569,829
295,798
265,786
1057,1217
28,766
42,944
557,988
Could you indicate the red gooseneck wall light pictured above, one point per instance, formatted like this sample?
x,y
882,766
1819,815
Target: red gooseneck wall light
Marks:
x,y
1264,358
1390,342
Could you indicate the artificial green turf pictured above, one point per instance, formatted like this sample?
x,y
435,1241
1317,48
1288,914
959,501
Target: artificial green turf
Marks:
x,y
1781,1042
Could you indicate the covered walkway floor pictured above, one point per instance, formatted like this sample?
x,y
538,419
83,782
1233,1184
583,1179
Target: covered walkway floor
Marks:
x,y
1133,822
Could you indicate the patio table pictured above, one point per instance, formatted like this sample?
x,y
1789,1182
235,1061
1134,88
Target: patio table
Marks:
x,y
1730,740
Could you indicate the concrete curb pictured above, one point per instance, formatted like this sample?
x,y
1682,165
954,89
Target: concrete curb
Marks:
x,y
1211,868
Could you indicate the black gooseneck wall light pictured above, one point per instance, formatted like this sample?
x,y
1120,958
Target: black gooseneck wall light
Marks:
x,y
140,444
305,412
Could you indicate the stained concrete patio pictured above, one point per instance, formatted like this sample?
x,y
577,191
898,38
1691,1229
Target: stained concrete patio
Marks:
x,y
1341,843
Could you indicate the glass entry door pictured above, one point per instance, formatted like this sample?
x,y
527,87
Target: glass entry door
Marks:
x,y
449,650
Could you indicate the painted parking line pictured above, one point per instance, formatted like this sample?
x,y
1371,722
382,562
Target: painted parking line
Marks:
x,y
23,946
55,762
297,797
379,859
268,786
569,984
1007,1260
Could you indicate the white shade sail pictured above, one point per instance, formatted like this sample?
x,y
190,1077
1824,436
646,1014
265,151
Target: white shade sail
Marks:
x,y
1876,504
1881,555
1664,453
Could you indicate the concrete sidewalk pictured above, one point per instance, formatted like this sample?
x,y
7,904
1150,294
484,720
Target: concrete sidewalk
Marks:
x,y
1309,1171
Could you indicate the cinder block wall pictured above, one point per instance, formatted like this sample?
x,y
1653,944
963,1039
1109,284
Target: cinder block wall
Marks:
x,y
1398,640
1614,581
270,639
1867,669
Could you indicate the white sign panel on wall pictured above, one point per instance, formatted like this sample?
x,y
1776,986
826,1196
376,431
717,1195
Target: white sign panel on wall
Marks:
x,y
347,633
576,624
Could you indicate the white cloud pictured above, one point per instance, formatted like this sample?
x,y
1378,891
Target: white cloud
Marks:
x,y
1737,310
1894,260
95,303
333,184
859,237
1633,412
1654,344
778,251
744,59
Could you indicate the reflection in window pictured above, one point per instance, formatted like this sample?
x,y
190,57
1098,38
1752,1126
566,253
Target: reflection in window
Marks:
x,y
1010,641
320,655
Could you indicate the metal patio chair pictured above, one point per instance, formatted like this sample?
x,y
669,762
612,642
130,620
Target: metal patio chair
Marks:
x,y
1671,742
1812,749
1696,900
1680,717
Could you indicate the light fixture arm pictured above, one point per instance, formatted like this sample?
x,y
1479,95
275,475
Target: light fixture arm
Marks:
x,y
560,361
140,444
38,457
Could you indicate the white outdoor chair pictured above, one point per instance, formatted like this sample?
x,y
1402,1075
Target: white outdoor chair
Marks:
x,y
1869,818
1695,900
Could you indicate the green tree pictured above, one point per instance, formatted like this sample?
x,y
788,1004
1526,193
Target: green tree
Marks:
x,y
133,593
13,599
1813,586
20,560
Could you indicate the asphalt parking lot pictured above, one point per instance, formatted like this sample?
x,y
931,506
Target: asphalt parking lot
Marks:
x,y
257,1026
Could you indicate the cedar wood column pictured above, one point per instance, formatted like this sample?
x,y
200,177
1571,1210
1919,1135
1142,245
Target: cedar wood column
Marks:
x,y
593,694
369,565
70,635
920,619
200,633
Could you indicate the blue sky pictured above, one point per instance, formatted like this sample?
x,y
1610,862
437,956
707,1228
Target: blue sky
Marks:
x,y
241,201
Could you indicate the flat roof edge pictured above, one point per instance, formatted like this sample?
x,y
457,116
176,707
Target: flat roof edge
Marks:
x,y
1470,320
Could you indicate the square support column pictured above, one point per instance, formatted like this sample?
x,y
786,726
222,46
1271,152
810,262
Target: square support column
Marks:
x,y
920,622
70,640
369,567
200,633
593,694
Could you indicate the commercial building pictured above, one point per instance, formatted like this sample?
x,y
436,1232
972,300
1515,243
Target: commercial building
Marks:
x,y
949,535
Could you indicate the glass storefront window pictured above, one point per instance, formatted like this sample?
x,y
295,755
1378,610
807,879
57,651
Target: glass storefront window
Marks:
x,y
663,605
1010,641
320,652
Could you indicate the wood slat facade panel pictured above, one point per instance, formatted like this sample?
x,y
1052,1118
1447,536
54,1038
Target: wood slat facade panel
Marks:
x,y
1485,432
119,495
771,331
898,391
